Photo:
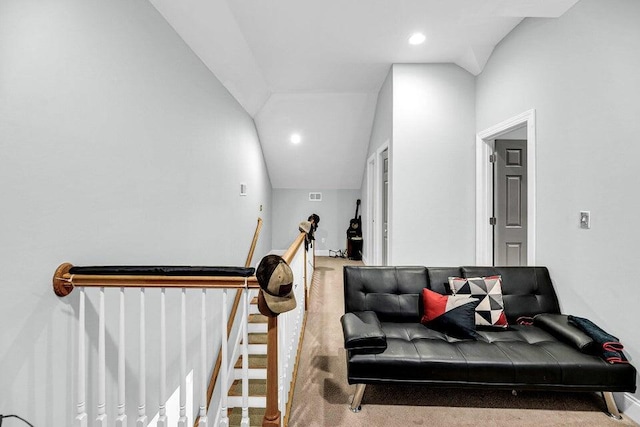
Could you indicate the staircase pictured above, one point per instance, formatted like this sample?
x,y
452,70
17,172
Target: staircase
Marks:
x,y
284,336
257,328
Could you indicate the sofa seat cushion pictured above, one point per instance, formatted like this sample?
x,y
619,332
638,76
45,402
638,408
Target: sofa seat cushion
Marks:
x,y
523,357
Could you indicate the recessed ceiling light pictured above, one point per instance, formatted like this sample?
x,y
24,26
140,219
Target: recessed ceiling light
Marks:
x,y
417,38
296,138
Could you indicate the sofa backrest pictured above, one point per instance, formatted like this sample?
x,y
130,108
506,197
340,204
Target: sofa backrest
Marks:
x,y
394,292
526,291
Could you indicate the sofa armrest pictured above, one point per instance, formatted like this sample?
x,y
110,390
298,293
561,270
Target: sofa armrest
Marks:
x,y
558,325
363,333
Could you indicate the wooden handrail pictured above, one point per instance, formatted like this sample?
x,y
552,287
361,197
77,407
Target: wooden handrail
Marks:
x,y
291,252
64,282
252,248
161,281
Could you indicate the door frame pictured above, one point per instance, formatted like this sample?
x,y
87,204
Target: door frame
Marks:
x,y
485,144
373,232
369,257
380,172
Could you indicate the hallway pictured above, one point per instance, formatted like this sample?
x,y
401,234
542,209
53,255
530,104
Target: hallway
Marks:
x,y
322,394
321,390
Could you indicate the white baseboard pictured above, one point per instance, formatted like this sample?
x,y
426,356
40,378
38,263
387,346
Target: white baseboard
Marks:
x,y
319,252
629,406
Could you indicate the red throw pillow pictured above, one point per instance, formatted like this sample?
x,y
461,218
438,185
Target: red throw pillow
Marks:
x,y
451,314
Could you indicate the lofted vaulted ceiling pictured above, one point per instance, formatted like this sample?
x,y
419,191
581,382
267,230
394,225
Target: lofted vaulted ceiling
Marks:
x,y
315,68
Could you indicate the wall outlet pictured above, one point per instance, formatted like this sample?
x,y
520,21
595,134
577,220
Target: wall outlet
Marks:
x,y
585,219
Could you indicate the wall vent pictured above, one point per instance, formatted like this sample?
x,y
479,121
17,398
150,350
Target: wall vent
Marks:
x,y
243,189
315,197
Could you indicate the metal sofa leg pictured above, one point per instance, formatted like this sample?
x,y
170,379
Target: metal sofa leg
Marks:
x,y
612,408
357,398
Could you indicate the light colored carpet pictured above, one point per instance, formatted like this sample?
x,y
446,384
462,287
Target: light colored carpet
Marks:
x,y
322,394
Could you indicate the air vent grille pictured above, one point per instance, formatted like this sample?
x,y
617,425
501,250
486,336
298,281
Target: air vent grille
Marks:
x,y
315,197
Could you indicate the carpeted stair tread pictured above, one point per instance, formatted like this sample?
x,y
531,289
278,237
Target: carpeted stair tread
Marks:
x,y
256,388
257,338
256,415
257,318
256,361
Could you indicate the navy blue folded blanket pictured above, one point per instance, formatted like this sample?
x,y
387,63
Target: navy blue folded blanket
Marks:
x,y
164,270
610,346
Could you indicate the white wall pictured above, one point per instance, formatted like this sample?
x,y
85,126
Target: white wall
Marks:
x,y
519,133
117,146
580,73
432,165
290,207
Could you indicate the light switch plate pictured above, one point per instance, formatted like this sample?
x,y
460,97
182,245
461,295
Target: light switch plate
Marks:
x,y
585,219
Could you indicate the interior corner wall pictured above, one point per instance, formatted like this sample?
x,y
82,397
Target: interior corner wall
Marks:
x,y
382,127
117,146
381,133
432,165
290,207
580,73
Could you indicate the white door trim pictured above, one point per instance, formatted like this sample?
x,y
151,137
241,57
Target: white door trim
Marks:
x,y
375,233
484,185
380,171
369,257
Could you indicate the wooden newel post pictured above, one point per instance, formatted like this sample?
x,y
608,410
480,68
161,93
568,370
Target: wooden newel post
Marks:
x,y
272,413
276,296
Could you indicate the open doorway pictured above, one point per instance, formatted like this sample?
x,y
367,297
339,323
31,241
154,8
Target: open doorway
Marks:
x,y
377,207
505,192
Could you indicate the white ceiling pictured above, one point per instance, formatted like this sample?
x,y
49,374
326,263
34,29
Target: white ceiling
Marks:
x,y
315,67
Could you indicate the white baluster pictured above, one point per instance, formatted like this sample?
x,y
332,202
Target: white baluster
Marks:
x,y
142,367
183,420
284,394
204,421
101,418
81,414
287,362
224,417
245,358
162,411
121,420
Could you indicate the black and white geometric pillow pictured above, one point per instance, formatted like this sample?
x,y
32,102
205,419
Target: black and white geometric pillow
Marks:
x,y
490,310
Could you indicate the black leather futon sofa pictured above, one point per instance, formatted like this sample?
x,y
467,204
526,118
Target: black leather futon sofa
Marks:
x,y
386,343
